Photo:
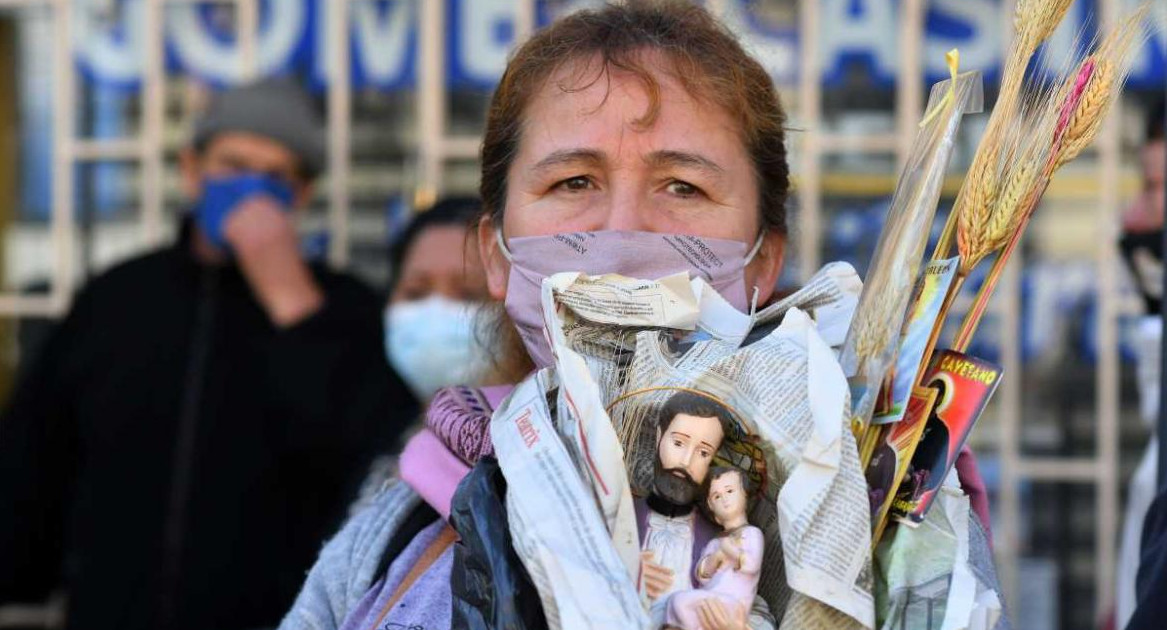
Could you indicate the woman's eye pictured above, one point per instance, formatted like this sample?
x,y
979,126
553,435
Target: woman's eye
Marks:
x,y
682,189
678,443
576,183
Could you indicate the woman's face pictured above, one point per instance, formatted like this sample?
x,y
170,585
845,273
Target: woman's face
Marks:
x,y
583,164
438,263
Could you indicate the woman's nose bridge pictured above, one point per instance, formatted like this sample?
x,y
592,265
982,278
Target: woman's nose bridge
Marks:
x,y
626,206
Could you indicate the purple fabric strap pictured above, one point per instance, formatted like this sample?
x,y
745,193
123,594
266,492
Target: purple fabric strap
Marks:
x,y
460,418
456,436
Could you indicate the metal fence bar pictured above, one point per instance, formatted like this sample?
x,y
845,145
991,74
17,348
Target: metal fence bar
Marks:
x,y
64,101
339,131
810,111
1009,396
15,305
247,12
1106,378
460,147
829,142
909,82
524,21
117,149
1007,543
61,221
431,98
1059,469
153,100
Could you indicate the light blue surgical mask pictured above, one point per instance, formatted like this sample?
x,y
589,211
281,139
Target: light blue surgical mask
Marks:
x,y
431,343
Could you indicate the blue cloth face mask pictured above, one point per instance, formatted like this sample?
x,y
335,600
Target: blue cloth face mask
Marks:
x,y
222,195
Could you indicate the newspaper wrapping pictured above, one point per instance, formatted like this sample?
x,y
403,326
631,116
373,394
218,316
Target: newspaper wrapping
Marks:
x,y
925,578
574,443
558,532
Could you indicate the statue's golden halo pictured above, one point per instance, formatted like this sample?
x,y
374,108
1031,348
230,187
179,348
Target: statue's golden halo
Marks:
x,y
740,449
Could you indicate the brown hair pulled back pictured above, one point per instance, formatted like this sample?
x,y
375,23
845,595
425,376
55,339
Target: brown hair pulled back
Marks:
x,y
704,56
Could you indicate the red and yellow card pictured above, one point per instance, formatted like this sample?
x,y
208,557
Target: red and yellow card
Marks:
x,y
964,385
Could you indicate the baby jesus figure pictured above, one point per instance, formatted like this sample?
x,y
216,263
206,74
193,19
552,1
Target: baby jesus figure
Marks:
x,y
730,564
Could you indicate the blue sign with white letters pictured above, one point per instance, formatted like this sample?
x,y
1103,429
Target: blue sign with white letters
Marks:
x,y
857,37
384,40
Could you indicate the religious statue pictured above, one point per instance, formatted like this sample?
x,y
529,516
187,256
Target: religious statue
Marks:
x,y
730,564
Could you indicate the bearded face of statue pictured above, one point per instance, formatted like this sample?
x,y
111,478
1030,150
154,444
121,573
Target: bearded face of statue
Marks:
x,y
684,454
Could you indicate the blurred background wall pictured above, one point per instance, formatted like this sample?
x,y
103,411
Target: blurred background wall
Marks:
x,y
96,97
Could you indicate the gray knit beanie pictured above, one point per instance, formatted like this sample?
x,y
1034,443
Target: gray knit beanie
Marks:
x,y
275,108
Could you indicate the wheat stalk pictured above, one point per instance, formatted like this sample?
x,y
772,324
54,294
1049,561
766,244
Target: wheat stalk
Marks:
x,y
870,335
1110,64
1009,207
974,204
1033,23
1020,152
1087,118
1071,120
1037,20
983,211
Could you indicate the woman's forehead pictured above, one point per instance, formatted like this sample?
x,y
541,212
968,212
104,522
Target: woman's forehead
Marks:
x,y
595,76
439,247
583,99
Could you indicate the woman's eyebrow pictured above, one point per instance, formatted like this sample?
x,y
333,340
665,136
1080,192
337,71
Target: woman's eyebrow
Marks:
x,y
563,157
660,159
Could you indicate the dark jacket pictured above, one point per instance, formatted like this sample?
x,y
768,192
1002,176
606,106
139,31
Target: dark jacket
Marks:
x,y
172,460
1151,581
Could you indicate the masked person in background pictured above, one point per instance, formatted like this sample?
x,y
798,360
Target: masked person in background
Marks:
x,y
1141,574
197,424
437,295
437,292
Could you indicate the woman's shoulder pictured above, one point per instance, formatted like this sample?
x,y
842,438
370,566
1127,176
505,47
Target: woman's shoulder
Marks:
x,y
373,526
349,563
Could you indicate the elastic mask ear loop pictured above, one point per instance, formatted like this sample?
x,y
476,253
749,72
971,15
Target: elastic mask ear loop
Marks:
x,y
502,245
750,257
756,248
754,308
